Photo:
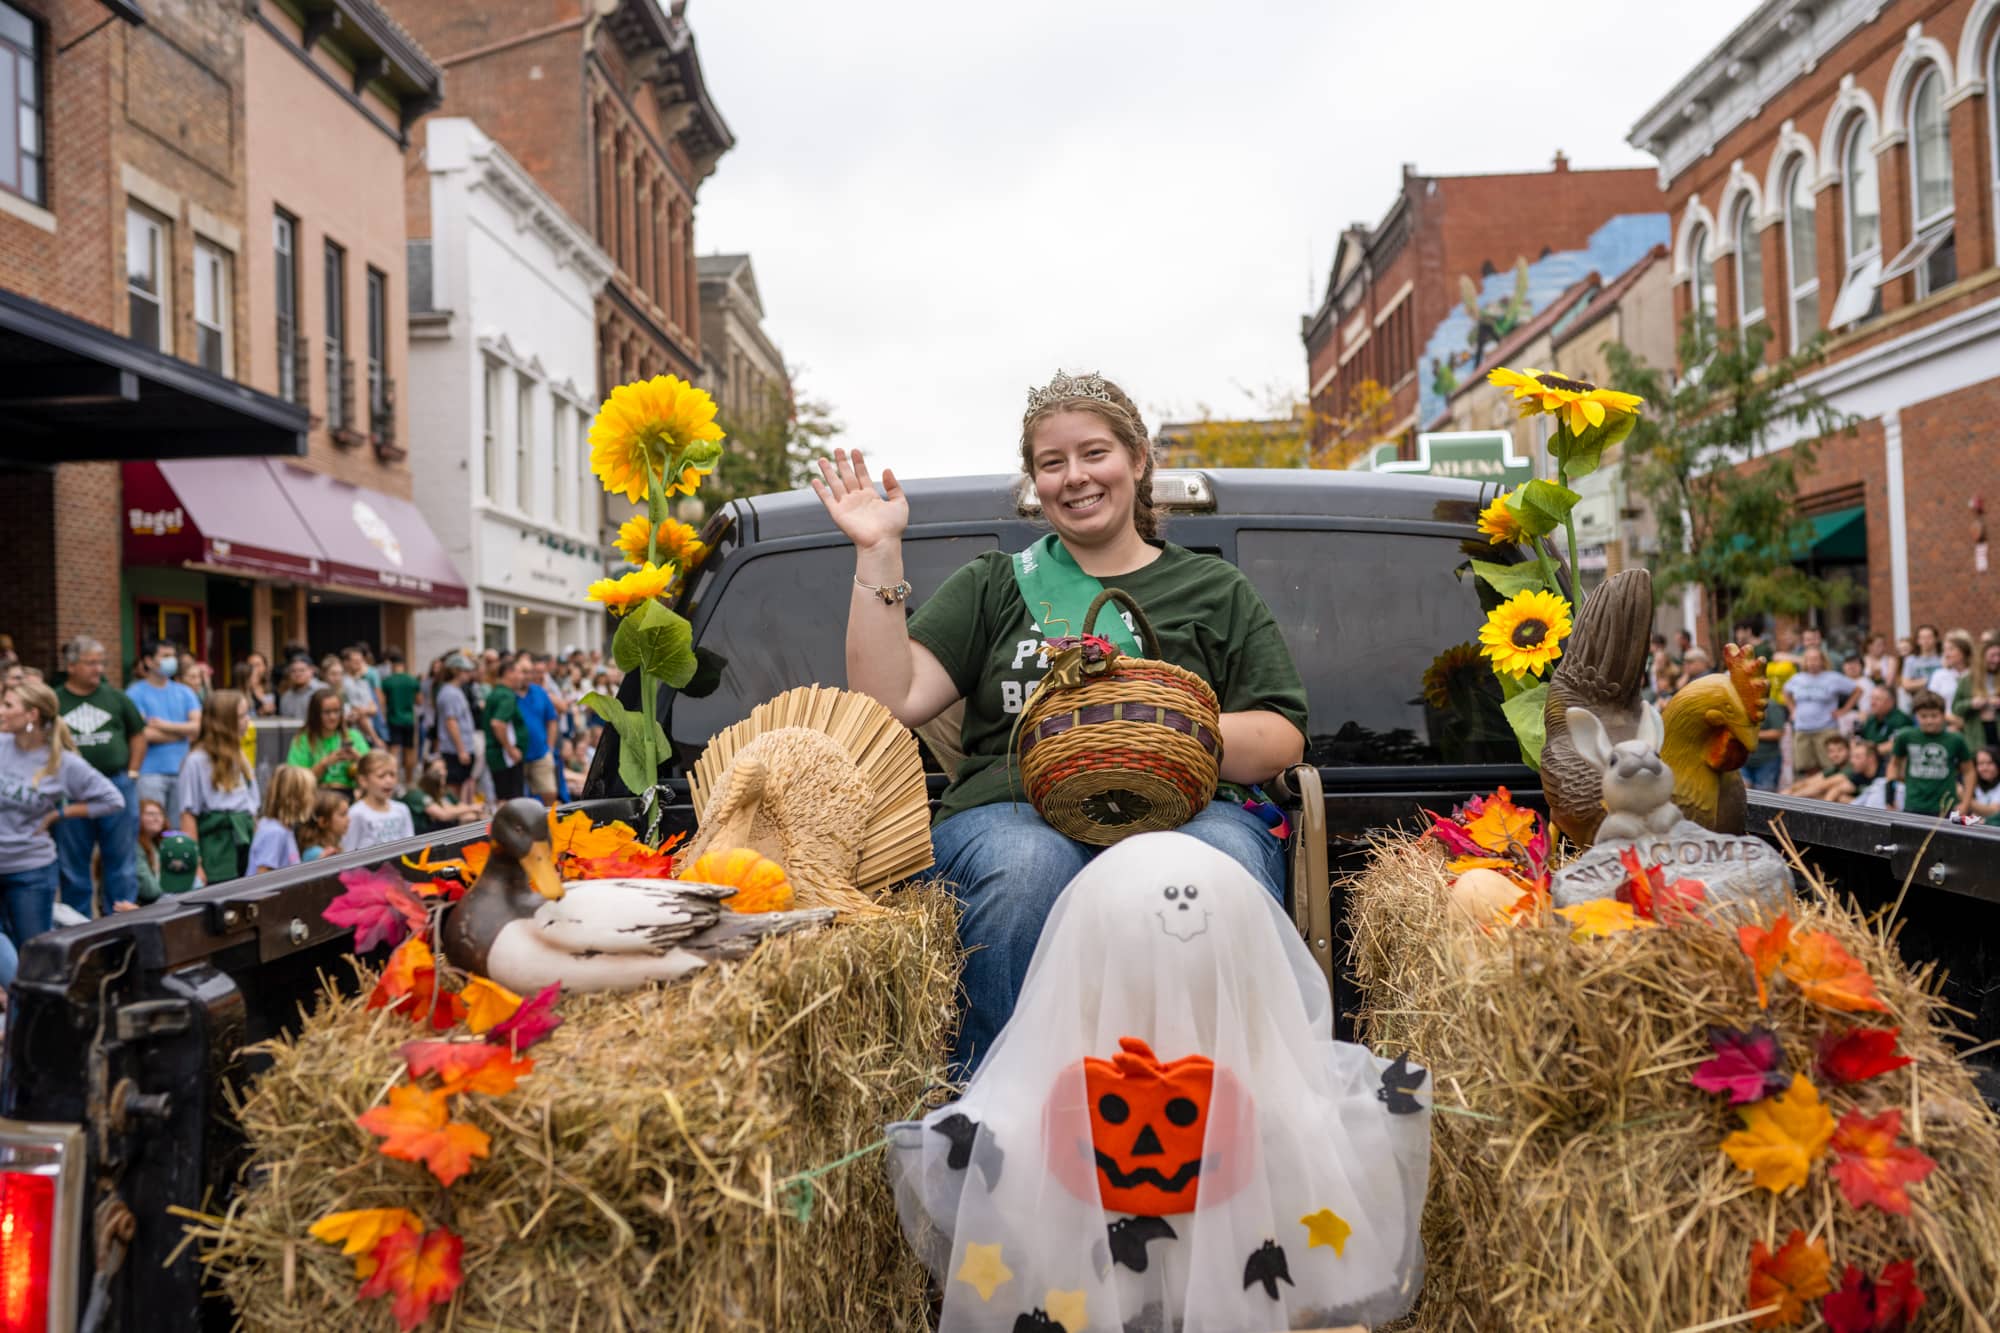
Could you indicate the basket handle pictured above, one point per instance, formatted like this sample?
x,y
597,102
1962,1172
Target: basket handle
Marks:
x,y
1148,640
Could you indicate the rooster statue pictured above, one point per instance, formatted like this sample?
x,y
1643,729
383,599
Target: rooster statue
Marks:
x,y
1601,669
1711,725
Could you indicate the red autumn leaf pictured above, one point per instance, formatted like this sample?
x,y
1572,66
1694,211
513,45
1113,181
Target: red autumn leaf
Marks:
x,y
635,862
1871,1167
1861,1054
1787,1280
379,906
1765,947
1453,835
408,986
534,1020
1748,1066
1887,1304
1829,975
415,1127
417,1272
1647,890
466,1066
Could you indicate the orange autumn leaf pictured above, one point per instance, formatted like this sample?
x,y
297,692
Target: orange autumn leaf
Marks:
x,y
399,977
466,1066
358,1230
1600,917
417,1272
1460,864
1500,824
1782,1136
487,1003
1829,975
576,836
1789,1280
472,859
1871,1167
1765,947
416,1128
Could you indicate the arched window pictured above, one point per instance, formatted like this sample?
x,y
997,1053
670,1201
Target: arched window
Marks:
x,y
1932,254
1749,266
1860,287
1801,255
1701,265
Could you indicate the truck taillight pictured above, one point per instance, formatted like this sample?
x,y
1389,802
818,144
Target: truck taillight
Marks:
x,y
41,1226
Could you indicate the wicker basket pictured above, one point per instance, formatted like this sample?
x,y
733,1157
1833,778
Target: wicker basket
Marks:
x,y
1129,745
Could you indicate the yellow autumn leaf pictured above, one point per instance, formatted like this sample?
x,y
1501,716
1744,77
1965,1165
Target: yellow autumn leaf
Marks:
x,y
1600,917
1782,1136
487,1003
361,1228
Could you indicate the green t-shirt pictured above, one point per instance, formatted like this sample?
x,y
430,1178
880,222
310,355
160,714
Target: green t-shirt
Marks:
x,y
102,723
1875,730
306,752
502,705
1209,618
1775,717
417,799
1931,775
399,693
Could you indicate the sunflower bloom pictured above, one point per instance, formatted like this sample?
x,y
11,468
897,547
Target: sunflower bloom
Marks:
x,y
1579,403
628,591
1525,633
676,541
640,429
1499,521
1439,675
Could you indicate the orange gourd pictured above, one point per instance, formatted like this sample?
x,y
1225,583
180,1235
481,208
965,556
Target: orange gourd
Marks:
x,y
760,882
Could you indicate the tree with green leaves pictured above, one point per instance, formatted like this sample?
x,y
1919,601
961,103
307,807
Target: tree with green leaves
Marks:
x,y
1705,456
773,448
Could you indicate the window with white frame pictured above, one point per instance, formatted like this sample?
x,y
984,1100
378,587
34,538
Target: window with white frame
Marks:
x,y
1749,266
524,445
20,105
148,261
1861,230
559,455
285,261
489,429
212,308
496,626
1932,254
1701,264
1801,255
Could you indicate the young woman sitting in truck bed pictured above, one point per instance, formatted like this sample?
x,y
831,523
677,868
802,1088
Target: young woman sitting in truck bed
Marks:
x,y
1084,445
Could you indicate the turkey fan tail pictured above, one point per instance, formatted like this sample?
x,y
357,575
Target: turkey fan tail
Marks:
x,y
1604,659
735,934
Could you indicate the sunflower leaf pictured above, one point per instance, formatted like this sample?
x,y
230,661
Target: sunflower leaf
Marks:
x,y
1584,454
631,729
665,643
1524,714
1543,506
1508,580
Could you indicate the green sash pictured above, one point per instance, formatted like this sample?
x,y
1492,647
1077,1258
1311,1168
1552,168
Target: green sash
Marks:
x,y
1059,593
224,841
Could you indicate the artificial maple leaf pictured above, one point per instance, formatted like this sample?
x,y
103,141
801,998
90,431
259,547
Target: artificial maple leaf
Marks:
x,y
417,1272
636,862
1829,975
1601,916
1765,947
1453,835
467,1066
1884,1305
379,906
1749,1066
1789,1279
534,1020
1501,825
415,1127
472,860
1871,1167
1646,888
399,977
361,1228
1782,1136
487,1003
1861,1054
578,838
1458,865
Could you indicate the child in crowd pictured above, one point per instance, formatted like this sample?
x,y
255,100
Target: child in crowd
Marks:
x,y
217,789
433,804
152,823
323,830
1934,764
1836,779
378,817
1985,803
287,806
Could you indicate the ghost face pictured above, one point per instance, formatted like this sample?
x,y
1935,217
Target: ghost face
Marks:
x,y
1181,913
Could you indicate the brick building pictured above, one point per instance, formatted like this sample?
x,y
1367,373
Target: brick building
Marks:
x,y
1413,303
1831,169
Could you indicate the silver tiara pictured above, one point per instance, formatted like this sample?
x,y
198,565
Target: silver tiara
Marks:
x,y
1066,386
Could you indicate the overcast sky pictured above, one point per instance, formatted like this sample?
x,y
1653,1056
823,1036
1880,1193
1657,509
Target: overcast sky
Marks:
x,y
945,202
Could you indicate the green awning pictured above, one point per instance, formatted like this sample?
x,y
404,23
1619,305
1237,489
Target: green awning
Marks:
x,y
1839,537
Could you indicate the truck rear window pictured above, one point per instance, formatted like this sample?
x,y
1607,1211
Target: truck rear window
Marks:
x,y
1368,616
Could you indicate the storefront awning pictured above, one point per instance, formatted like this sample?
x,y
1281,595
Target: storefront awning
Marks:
x,y
1839,536
72,392
268,519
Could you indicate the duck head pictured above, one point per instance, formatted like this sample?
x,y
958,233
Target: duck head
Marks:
x,y
521,833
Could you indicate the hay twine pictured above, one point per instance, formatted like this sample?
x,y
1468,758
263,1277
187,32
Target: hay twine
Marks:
x,y
647,1174
1577,1178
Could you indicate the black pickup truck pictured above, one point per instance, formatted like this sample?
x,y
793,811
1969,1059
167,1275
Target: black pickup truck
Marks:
x,y
125,1034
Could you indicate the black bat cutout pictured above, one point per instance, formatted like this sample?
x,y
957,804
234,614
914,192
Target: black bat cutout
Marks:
x,y
1129,1237
1037,1321
1399,1081
1267,1265
967,1144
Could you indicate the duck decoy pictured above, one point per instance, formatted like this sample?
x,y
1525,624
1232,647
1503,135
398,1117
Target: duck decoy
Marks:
x,y
522,926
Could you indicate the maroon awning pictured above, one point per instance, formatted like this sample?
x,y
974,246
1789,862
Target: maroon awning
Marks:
x,y
373,542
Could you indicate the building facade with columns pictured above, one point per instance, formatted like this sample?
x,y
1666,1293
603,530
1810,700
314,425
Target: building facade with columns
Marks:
x,y
1830,169
503,348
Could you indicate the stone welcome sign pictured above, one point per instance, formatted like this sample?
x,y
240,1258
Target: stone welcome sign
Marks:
x,y
1732,868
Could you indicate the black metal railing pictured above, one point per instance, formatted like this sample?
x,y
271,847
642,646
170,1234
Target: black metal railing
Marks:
x,y
382,418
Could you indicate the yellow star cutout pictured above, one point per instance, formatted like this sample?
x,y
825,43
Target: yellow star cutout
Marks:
x,y
983,1271
1328,1228
1067,1309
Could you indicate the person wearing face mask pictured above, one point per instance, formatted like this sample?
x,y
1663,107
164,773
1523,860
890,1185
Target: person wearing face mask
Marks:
x,y
173,718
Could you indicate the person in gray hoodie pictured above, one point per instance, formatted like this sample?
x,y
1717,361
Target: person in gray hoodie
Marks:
x,y
42,779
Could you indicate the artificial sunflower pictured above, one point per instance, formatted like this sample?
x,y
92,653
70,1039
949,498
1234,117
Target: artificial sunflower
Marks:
x,y
626,592
643,426
676,541
690,478
1499,520
1525,633
1440,675
1579,403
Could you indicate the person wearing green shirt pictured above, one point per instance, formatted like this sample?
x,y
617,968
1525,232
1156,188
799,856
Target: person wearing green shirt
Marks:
x,y
327,746
110,734
1935,764
1879,725
503,730
978,640
1977,703
399,715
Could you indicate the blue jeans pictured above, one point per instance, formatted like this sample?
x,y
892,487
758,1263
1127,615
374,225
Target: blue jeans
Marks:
x,y
164,788
1006,867
1764,776
27,902
117,837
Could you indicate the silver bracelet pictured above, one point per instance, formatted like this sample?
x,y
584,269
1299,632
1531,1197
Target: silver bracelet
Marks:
x,y
890,593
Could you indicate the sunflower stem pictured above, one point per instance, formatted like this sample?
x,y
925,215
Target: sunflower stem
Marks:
x,y
1565,442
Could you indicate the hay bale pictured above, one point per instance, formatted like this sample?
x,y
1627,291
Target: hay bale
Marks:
x,y
1577,1178
636,1176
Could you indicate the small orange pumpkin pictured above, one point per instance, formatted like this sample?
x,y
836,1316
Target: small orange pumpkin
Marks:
x,y
760,882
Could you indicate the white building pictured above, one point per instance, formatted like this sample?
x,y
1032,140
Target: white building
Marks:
x,y
502,389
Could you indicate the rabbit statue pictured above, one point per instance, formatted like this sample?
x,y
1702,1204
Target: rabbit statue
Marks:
x,y
1638,785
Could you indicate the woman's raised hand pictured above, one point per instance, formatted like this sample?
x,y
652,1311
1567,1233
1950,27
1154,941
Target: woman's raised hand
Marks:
x,y
867,517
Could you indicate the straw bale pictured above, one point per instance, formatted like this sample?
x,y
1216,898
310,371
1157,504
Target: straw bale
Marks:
x,y
636,1179
1577,1178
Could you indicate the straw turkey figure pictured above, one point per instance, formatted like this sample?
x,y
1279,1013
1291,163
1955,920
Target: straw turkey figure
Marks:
x,y
523,927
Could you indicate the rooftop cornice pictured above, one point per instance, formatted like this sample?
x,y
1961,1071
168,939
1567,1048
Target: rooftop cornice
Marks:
x,y
662,48
506,180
